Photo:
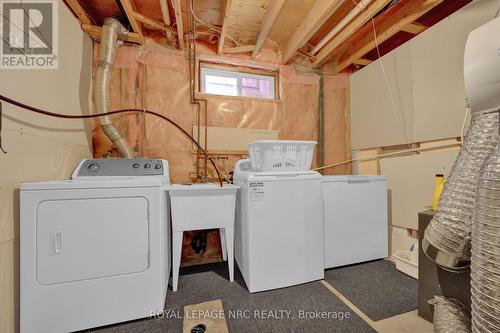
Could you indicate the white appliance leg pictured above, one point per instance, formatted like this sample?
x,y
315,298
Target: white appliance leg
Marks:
x,y
229,236
223,243
176,257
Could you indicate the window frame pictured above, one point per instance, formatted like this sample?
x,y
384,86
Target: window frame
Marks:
x,y
239,73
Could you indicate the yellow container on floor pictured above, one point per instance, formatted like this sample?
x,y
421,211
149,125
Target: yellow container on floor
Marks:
x,y
438,188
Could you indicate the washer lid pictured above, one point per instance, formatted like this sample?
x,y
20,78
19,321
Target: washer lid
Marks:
x,y
282,175
354,178
95,183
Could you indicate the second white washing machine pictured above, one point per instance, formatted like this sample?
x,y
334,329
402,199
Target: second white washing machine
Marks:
x,y
278,227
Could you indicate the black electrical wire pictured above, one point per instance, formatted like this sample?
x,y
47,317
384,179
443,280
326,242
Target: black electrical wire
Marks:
x,y
96,115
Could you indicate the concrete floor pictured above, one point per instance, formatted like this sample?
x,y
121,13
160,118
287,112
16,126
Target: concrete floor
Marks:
x,y
408,322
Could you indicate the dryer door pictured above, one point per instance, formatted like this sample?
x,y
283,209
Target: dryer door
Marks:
x,y
89,238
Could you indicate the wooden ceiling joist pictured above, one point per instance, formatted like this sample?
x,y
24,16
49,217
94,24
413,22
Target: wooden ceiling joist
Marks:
x,y
362,62
319,13
79,12
414,28
165,12
270,17
154,23
129,9
95,33
365,16
178,22
223,32
387,25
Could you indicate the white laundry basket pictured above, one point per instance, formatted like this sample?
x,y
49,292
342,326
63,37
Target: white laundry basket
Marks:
x,y
281,155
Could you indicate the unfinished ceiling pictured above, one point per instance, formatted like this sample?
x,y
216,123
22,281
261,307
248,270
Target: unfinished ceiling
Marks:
x,y
340,32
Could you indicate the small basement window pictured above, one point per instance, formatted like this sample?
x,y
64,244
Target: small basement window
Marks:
x,y
233,83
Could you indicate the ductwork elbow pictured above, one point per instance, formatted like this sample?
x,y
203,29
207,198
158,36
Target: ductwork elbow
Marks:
x,y
112,30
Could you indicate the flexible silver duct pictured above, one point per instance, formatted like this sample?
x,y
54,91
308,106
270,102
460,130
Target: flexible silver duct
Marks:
x,y
485,259
450,316
111,30
448,236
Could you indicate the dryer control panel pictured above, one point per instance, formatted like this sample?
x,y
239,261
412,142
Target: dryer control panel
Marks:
x,y
120,167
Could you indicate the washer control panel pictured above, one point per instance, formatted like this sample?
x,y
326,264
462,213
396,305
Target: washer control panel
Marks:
x,y
121,167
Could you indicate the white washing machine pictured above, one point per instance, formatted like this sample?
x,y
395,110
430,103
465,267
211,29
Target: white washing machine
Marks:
x,y
279,227
94,249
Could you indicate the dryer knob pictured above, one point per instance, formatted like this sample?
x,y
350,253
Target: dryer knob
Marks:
x,y
135,165
92,167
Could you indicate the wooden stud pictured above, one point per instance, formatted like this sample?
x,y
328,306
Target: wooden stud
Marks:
x,y
128,6
239,49
386,25
95,32
350,29
178,21
316,17
270,17
227,11
154,23
414,28
79,12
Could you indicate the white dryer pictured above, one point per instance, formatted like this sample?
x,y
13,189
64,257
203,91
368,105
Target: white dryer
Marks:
x,y
94,249
278,231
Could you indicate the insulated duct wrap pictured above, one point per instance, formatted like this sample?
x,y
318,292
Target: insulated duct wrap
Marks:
x,y
447,238
450,316
111,30
485,259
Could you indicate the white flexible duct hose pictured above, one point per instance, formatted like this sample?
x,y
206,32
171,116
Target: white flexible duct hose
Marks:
x,y
485,259
111,30
447,239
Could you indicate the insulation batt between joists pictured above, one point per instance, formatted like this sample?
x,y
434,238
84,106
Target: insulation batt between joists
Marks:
x,y
167,91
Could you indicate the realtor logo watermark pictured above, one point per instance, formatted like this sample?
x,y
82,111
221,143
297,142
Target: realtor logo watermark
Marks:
x,y
29,34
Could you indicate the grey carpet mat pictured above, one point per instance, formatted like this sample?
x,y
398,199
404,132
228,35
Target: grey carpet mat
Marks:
x,y
198,285
377,288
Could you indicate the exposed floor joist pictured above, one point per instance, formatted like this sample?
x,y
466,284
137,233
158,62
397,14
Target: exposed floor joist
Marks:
x,y
270,17
154,23
178,22
362,62
79,12
165,12
414,28
128,6
365,16
316,17
319,30
386,25
223,32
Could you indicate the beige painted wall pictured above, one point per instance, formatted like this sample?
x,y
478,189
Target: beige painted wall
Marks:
x,y
39,148
426,83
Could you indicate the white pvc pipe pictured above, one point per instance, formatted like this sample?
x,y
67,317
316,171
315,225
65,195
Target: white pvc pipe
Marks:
x,y
352,14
